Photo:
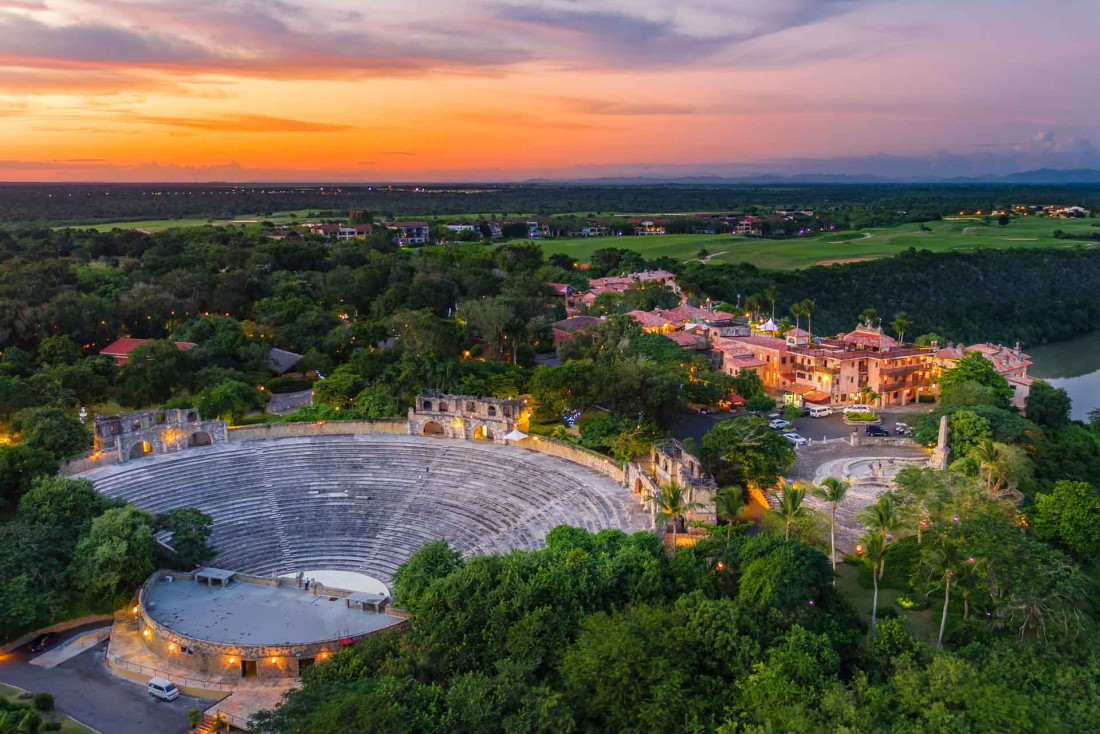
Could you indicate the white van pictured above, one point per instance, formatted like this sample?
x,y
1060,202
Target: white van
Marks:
x,y
820,411
162,689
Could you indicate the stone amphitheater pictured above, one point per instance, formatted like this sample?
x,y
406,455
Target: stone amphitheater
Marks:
x,y
364,503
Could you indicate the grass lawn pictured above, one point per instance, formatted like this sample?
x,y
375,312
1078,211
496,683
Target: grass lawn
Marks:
x,y
68,726
156,225
957,233
920,623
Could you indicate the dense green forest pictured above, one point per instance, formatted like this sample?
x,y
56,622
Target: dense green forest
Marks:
x,y
866,205
1027,295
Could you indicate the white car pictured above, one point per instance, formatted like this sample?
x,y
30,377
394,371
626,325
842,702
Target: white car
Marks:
x,y
859,409
779,424
795,439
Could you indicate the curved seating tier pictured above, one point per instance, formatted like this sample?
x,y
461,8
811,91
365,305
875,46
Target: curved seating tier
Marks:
x,y
365,503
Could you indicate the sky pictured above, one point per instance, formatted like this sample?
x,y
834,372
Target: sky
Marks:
x,y
497,90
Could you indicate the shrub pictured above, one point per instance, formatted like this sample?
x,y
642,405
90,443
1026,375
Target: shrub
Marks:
x,y
52,726
886,613
279,385
907,602
861,417
43,701
759,404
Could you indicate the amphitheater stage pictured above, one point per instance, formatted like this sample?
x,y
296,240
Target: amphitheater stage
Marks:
x,y
365,503
253,614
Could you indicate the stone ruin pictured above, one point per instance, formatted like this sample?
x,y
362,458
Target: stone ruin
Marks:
x,y
438,415
163,431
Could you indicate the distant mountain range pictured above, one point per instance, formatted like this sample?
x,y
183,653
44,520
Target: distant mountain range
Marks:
x,y
1042,176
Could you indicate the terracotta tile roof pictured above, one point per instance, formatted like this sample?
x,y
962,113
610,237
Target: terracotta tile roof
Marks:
x,y
869,337
797,333
760,341
817,396
122,347
743,363
688,340
561,289
573,323
649,319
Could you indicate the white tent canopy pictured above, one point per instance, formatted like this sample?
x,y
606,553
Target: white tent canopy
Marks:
x,y
515,435
771,325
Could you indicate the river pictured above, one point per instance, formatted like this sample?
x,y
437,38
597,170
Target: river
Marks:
x,y
1073,366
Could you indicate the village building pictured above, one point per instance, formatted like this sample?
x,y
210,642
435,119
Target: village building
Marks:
x,y
411,233
120,349
565,329
1012,364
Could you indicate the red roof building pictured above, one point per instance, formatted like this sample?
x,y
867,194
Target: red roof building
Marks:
x,y
120,348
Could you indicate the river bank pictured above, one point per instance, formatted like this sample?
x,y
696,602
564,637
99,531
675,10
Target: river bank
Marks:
x,y
1073,366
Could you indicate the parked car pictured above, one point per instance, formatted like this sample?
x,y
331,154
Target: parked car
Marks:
x,y
820,411
40,643
704,411
859,409
795,439
877,431
902,429
779,424
773,416
163,690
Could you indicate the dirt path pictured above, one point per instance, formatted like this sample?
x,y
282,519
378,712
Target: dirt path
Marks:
x,y
862,236
707,258
845,260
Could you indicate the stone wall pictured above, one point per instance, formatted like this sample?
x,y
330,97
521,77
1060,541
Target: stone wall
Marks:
x,y
91,460
589,459
264,431
68,624
219,658
465,417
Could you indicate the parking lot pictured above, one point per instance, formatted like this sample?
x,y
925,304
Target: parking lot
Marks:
x,y
86,689
813,429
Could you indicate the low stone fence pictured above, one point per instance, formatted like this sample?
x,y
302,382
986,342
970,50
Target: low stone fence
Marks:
x,y
575,454
87,462
262,431
864,440
65,626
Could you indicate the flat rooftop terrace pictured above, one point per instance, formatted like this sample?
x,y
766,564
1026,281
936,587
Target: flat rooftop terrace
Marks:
x,y
252,614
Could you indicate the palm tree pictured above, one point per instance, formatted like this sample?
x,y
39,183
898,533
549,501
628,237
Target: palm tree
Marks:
x,y
808,310
884,520
672,504
869,316
874,550
945,560
900,324
728,504
755,303
990,457
797,312
832,490
771,294
867,395
220,720
790,507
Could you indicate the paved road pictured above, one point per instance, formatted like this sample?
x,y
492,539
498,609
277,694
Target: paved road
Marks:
x,y
86,689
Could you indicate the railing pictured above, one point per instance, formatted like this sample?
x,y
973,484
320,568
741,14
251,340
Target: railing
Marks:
x,y
152,672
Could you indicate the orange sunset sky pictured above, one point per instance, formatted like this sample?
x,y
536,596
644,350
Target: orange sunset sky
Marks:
x,y
495,90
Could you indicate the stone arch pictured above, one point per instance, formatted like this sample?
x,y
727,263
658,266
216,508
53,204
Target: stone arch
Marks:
x,y
199,438
433,429
638,488
483,433
492,411
140,449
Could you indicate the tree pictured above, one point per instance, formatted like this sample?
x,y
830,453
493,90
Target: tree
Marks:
x,y
867,395
808,312
190,529
943,559
1048,406
974,367
117,553
832,490
491,318
338,389
965,430
230,401
54,431
759,403
790,507
154,372
57,350
430,562
771,293
869,316
798,312
884,520
745,451
874,551
1094,419
728,504
375,401
20,465
672,504
900,325
1069,517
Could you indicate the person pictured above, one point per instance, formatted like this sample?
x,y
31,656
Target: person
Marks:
x,y
307,584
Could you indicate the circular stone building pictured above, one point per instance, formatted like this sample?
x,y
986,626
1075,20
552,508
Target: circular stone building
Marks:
x,y
364,503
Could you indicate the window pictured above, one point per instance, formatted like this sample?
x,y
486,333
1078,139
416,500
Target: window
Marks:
x,y
442,407
428,406
470,406
492,411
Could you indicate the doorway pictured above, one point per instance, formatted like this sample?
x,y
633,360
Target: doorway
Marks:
x,y
248,668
